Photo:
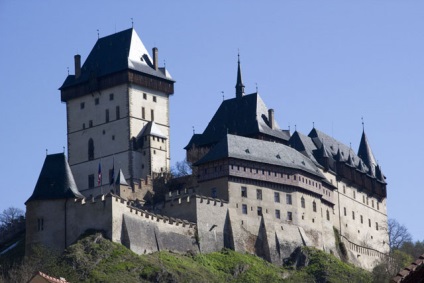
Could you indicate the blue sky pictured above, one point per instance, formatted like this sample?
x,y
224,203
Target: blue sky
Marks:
x,y
327,62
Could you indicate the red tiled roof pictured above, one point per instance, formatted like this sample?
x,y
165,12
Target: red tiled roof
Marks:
x,y
47,278
414,273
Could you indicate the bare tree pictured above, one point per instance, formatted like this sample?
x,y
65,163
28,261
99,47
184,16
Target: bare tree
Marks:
x,y
10,215
398,234
181,168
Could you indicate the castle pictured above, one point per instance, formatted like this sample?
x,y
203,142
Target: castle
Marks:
x,y
255,187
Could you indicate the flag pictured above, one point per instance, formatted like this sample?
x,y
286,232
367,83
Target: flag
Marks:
x,y
112,173
99,175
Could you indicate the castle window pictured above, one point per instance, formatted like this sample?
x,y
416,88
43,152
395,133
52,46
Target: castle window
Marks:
x,y
353,215
83,126
143,113
277,214
152,114
363,199
328,215
259,211
376,226
362,219
288,199
111,96
90,123
40,222
302,202
90,149
344,189
294,177
91,181
344,210
118,115
378,205
367,201
259,194
276,197
154,98
354,194
372,203
82,105
289,216
213,192
369,222
96,101
314,206
244,208
244,192
107,115
144,95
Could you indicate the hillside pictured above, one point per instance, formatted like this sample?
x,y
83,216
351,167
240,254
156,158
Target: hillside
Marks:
x,y
96,259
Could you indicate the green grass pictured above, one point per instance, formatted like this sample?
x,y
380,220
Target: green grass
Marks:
x,y
96,259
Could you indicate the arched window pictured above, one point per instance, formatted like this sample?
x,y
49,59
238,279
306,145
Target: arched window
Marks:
x,y
302,202
314,206
90,149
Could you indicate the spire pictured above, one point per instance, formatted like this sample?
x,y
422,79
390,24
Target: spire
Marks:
x,y
239,85
365,153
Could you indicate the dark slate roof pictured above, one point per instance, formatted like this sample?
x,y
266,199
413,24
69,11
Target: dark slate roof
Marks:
x,y
245,116
117,52
365,153
120,180
303,144
232,146
56,180
335,148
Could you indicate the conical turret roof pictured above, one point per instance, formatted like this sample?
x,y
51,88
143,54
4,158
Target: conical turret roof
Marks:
x,y
56,180
365,153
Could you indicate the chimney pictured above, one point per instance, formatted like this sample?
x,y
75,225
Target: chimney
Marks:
x,y
77,60
155,58
271,118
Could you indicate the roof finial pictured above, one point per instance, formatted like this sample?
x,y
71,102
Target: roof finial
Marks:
x,y
132,23
47,151
289,128
98,34
256,87
223,97
193,130
363,126
313,125
239,84
295,127
63,149
164,63
68,70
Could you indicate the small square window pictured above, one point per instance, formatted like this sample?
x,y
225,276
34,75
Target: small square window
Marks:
x,y
154,98
276,197
244,208
82,105
259,194
288,199
289,216
260,211
144,95
111,96
277,214
96,101
244,192
90,123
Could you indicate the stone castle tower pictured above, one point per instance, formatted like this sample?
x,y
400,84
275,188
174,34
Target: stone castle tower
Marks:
x,y
117,107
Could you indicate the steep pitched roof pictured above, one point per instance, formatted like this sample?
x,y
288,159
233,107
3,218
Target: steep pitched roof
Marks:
x,y
232,146
117,52
303,144
120,180
244,116
365,153
56,180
